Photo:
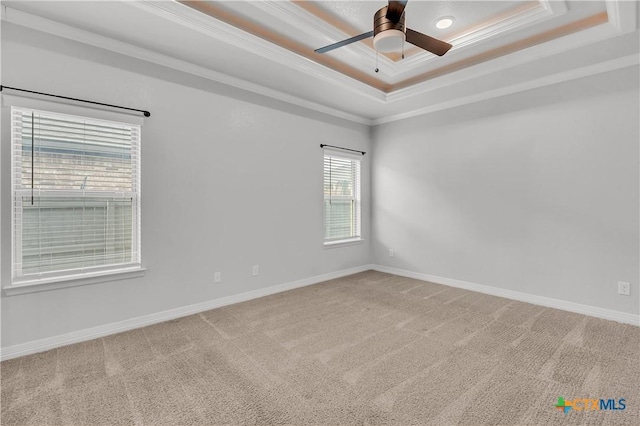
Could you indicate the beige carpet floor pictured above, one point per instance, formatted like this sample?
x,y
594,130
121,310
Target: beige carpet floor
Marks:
x,y
370,348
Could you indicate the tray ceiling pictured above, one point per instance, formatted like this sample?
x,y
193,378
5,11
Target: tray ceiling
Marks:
x,y
268,46
481,31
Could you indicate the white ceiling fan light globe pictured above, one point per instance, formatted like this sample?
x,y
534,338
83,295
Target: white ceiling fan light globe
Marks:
x,y
389,41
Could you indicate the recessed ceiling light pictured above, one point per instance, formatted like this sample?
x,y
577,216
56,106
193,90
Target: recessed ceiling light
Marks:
x,y
444,22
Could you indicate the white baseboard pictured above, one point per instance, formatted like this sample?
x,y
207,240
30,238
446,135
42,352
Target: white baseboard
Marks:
x,y
549,302
120,326
129,324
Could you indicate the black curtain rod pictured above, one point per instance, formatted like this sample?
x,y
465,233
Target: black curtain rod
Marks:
x,y
146,113
322,145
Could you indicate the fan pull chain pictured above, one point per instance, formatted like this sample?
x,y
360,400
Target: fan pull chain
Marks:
x,y
377,69
402,48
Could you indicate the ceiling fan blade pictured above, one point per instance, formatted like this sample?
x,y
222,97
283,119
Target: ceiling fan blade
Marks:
x,y
427,43
395,10
344,42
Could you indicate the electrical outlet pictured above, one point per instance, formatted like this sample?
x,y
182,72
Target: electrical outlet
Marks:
x,y
255,270
624,288
217,277
392,253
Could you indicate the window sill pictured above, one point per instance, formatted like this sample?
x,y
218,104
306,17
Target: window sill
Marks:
x,y
47,284
343,243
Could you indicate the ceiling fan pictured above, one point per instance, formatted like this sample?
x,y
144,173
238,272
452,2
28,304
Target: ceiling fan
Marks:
x,y
389,33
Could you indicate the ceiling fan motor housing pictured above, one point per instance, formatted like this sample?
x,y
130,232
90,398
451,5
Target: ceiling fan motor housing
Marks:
x,y
388,36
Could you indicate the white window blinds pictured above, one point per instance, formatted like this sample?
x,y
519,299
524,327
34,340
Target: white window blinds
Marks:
x,y
341,197
76,195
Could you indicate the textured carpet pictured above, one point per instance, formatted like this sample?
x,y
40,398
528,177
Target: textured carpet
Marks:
x,y
370,348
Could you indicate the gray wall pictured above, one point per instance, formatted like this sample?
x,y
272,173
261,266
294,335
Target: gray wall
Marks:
x,y
229,179
535,192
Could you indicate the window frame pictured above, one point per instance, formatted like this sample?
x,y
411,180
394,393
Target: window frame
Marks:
x,y
72,277
356,199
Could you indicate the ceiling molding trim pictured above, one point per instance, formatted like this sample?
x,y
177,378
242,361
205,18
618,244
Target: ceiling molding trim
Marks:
x,y
198,21
622,15
558,7
48,26
542,12
298,17
599,68
531,54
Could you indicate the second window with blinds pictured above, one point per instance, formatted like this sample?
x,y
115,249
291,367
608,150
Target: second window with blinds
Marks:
x,y
342,210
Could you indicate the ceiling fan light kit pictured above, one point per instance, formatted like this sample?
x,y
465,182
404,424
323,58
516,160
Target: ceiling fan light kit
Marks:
x,y
389,33
389,41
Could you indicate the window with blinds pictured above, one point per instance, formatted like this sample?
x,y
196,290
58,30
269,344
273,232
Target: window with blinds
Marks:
x,y
76,195
341,197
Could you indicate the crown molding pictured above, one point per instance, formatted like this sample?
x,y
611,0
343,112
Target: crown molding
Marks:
x,y
622,19
599,68
302,19
48,26
521,57
542,12
297,17
622,15
190,18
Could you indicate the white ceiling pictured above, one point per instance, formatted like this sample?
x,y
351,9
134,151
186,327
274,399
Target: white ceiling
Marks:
x,y
500,47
